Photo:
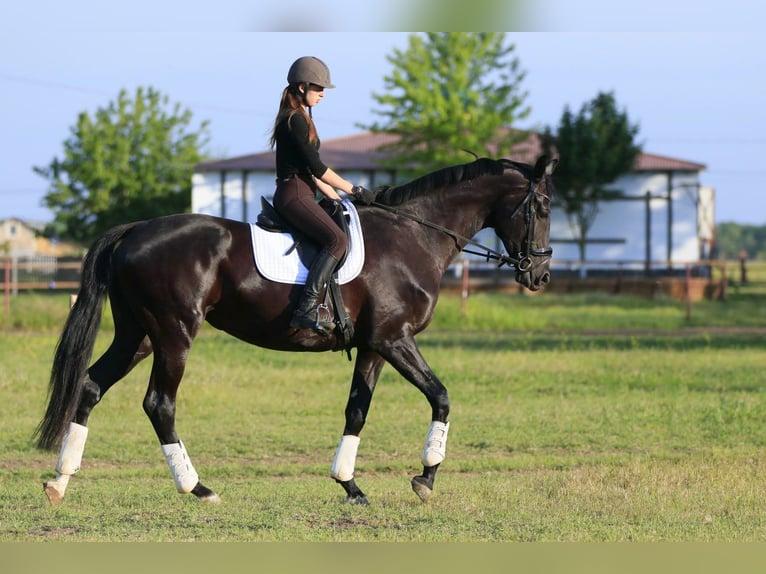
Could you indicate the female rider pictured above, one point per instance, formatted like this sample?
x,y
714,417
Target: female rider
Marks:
x,y
300,174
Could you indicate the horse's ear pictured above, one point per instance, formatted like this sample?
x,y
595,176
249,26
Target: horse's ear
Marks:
x,y
545,166
540,165
551,167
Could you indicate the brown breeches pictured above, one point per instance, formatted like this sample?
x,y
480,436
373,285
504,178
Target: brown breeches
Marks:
x,y
294,199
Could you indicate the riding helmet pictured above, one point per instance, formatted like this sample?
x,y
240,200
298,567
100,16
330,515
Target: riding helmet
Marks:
x,y
309,70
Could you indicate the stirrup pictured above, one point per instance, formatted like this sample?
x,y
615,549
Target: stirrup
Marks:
x,y
324,327
310,320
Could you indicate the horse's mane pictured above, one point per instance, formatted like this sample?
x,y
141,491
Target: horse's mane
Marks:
x,y
400,194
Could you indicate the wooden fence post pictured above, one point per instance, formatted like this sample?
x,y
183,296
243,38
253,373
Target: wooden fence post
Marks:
x,y
7,286
688,292
464,292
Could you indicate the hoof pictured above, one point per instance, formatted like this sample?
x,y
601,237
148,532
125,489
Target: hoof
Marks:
x,y
204,494
55,489
54,496
353,494
211,498
420,488
360,500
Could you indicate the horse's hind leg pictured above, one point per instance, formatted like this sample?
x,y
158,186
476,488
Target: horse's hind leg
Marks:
x,y
128,348
405,357
366,372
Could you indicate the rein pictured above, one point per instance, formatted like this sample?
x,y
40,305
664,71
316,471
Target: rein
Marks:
x,y
489,254
522,262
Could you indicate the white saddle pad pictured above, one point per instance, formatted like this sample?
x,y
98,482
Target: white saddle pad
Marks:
x,y
269,250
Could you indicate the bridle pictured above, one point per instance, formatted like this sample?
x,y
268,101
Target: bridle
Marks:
x,y
522,260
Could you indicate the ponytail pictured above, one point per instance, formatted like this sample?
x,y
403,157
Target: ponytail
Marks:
x,y
291,103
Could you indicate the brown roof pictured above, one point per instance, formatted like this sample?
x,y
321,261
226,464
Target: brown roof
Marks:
x,y
654,162
359,153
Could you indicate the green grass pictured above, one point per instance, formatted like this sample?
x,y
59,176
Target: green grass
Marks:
x,y
598,311
568,424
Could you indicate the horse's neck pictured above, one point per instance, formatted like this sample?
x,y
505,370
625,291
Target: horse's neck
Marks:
x,y
462,210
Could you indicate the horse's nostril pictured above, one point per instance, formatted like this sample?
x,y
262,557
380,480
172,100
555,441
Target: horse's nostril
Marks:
x,y
545,278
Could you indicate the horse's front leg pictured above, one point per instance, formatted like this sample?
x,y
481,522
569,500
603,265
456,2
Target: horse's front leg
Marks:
x,y
160,407
366,372
406,358
434,452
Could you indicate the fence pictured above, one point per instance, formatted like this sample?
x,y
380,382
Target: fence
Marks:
x,y
39,272
708,279
700,279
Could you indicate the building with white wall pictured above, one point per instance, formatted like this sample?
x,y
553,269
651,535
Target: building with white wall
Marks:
x,y
665,217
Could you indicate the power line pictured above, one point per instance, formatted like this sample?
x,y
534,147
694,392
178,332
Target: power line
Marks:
x,y
62,86
21,190
717,140
49,84
752,172
197,106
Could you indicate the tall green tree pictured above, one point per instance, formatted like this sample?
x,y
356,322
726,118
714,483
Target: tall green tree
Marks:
x,y
449,92
131,160
595,147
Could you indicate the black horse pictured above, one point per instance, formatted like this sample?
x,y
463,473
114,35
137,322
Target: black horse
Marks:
x,y
165,276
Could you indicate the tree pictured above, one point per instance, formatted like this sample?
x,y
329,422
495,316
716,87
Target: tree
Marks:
x,y
732,238
132,160
450,92
595,148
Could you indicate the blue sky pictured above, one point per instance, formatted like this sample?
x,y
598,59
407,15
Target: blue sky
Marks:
x,y
689,75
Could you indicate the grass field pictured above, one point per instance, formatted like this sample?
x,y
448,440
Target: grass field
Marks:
x,y
574,418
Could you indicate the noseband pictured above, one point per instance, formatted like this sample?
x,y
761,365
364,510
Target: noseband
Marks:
x,y
522,261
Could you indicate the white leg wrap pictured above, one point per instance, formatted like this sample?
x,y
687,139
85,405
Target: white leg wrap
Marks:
x,y
184,475
59,483
436,444
72,447
345,458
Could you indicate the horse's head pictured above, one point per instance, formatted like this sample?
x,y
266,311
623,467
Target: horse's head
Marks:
x,y
524,226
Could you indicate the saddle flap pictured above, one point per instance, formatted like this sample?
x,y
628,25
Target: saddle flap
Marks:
x,y
269,219
337,213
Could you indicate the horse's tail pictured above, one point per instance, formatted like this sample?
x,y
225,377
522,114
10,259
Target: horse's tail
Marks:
x,y
75,346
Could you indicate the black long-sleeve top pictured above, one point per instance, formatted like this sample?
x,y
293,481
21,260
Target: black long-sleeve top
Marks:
x,y
295,155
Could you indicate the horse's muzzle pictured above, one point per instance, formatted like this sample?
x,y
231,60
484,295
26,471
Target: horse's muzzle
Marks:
x,y
543,280
533,283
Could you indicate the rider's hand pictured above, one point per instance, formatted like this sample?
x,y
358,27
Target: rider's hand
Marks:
x,y
362,195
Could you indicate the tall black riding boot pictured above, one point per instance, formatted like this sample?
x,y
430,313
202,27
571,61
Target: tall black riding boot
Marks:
x,y
306,315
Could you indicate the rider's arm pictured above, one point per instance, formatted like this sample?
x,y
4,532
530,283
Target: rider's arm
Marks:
x,y
330,178
327,190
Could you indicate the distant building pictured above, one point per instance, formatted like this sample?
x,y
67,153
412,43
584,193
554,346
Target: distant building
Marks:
x,y
665,216
23,239
233,187
17,238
